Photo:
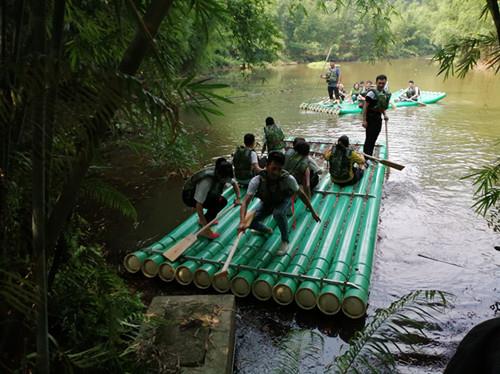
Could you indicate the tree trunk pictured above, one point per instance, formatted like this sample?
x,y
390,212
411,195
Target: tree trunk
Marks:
x,y
495,14
135,54
39,186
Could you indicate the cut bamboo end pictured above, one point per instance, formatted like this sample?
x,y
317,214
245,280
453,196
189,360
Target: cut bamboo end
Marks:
x,y
183,275
166,272
240,287
282,294
201,279
262,290
305,298
329,303
353,307
221,284
133,261
150,268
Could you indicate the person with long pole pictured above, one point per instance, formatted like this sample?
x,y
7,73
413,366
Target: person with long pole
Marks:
x,y
374,109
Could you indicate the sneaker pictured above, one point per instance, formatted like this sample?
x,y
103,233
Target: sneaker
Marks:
x,y
368,163
283,249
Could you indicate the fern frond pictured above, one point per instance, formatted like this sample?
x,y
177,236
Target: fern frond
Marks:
x,y
109,196
299,346
400,325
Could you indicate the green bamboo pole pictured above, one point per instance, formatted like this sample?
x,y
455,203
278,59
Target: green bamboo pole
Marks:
x,y
241,284
262,287
227,229
166,271
329,299
356,300
203,275
284,290
134,261
243,256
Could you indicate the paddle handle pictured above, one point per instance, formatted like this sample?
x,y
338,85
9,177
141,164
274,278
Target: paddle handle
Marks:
x,y
221,213
248,220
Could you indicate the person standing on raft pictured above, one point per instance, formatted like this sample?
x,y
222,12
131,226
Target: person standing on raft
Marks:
x,y
203,190
376,103
333,80
245,160
274,139
275,188
341,160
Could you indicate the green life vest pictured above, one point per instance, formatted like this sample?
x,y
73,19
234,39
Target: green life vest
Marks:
x,y
332,76
411,91
340,163
242,161
382,100
355,91
275,139
215,190
296,165
273,192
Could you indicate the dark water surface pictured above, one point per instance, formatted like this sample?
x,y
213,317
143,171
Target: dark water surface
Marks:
x,y
426,208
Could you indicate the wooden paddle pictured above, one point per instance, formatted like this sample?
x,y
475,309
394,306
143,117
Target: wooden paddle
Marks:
x,y
248,220
173,253
385,162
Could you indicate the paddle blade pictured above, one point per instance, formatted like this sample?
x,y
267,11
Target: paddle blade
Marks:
x,y
392,164
177,250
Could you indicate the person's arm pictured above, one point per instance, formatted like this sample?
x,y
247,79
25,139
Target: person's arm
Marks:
x,y
263,147
365,110
236,189
339,78
307,183
308,204
243,211
359,159
256,168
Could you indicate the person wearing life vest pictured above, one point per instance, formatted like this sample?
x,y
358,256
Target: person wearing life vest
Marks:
x,y
245,160
333,79
355,91
412,93
376,103
342,161
297,164
313,166
274,139
203,190
364,90
275,188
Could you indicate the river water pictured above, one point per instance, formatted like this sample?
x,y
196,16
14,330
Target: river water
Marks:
x,y
426,208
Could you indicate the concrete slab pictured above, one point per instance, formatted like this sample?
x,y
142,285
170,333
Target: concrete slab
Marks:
x,y
198,336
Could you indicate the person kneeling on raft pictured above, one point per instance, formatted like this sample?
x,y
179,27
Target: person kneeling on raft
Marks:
x,y
275,188
203,190
342,159
245,160
297,163
411,93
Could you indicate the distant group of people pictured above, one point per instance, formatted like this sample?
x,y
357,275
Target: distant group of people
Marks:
x,y
286,173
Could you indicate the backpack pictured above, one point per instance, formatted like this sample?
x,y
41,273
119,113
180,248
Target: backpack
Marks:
x,y
340,163
189,188
242,163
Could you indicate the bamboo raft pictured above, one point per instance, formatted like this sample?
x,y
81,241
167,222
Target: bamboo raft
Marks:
x,y
326,106
328,266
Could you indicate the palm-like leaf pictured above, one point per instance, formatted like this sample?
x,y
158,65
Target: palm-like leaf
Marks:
x,y
402,324
109,196
299,346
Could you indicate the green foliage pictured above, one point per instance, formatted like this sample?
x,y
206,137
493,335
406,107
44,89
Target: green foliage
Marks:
x,y
92,311
108,196
403,323
486,181
299,347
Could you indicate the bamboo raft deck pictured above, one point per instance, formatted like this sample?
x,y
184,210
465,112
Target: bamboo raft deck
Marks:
x,y
326,106
329,264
